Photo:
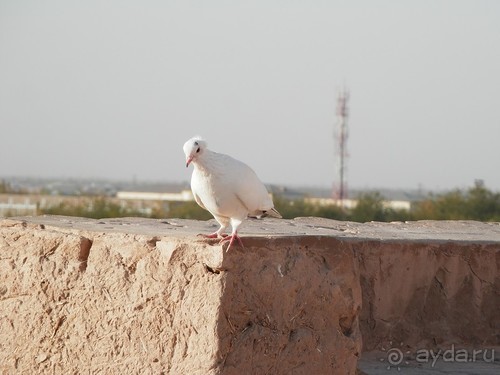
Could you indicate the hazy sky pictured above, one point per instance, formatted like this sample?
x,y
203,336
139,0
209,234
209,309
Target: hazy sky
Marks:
x,y
114,88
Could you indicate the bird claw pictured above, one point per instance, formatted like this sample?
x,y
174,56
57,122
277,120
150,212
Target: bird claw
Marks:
x,y
223,238
231,239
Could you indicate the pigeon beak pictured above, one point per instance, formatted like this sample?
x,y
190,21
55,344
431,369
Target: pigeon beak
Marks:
x,y
188,161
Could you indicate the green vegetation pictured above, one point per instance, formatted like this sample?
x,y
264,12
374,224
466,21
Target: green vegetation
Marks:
x,y
290,209
4,187
477,203
104,207
96,208
370,207
184,210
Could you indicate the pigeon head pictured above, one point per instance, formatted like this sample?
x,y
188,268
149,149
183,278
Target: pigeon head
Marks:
x,y
193,149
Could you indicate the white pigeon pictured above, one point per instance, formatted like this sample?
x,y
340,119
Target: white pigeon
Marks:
x,y
227,188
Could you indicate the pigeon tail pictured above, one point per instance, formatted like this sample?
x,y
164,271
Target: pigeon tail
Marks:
x,y
271,213
275,213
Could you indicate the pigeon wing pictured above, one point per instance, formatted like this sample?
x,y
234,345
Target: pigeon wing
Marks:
x,y
247,187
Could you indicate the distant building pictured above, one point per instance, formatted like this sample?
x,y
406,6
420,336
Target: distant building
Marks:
x,y
352,203
183,196
16,206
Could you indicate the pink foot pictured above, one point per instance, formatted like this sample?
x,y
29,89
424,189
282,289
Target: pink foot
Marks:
x,y
231,239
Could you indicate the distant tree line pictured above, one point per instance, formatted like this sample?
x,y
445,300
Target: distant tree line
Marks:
x,y
95,208
4,187
477,203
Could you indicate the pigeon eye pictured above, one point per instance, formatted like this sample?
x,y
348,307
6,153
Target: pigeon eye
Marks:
x,y
196,143
198,150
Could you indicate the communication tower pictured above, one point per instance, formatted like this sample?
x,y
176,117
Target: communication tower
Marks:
x,y
341,134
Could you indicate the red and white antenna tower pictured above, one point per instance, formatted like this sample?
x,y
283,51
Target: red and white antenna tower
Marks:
x,y
340,135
